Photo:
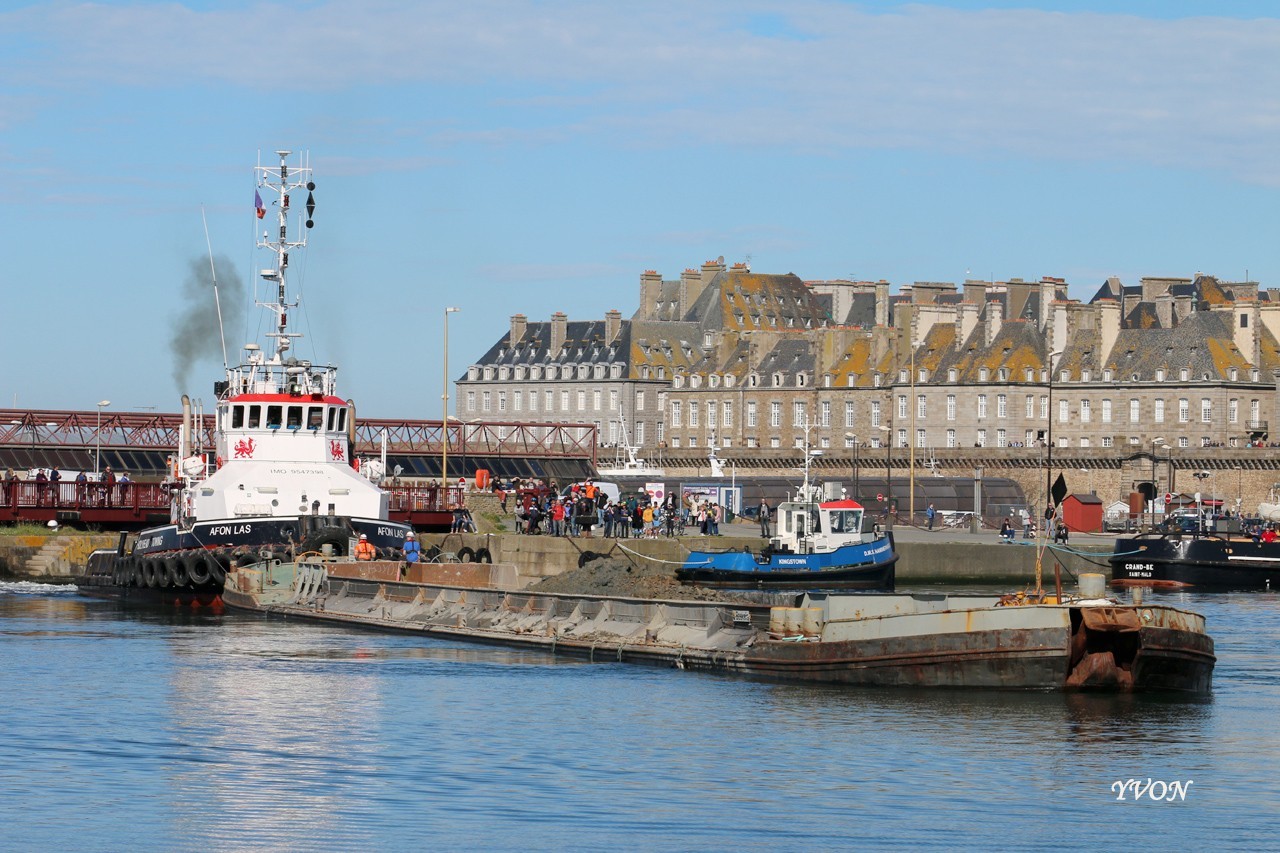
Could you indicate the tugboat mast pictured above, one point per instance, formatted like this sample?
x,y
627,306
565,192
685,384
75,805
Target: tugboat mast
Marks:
x,y
280,181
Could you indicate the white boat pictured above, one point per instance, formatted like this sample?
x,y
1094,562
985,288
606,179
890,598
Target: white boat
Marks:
x,y
626,464
281,476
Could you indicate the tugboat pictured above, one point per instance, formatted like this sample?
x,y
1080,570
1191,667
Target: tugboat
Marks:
x,y
817,545
281,478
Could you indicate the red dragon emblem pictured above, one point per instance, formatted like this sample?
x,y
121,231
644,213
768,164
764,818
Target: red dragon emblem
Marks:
x,y
244,448
337,451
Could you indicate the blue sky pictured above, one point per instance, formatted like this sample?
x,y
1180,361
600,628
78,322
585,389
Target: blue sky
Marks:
x,y
513,156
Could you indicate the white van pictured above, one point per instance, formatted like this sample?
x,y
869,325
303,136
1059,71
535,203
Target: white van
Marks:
x,y
611,490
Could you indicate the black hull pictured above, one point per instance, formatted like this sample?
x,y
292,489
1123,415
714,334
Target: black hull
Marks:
x,y
187,568
275,533
1205,562
876,576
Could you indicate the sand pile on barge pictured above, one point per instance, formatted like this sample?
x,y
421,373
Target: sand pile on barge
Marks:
x,y
622,578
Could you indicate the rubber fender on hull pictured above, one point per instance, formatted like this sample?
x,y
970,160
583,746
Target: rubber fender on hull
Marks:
x,y
170,574
218,568
466,555
149,573
336,536
197,567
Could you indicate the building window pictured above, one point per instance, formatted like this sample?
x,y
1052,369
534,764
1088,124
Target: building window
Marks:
x,y
677,413
517,400
711,414
693,439
1184,374
982,438
775,414
952,374
502,401
775,442
471,401
675,440
1157,411
486,401
1086,411
1183,442
1135,411
1001,440
613,399
797,414
1064,411
662,431
1084,442
982,374
1031,407
982,405
902,438
548,401
920,438
693,414
1255,412
582,401
613,432
1107,441
1002,407
1106,411
751,414
902,406
951,438
951,407
1184,410
875,413
824,414
850,440
1206,411
1044,407
848,413
1233,411
639,401
640,432
921,411
726,414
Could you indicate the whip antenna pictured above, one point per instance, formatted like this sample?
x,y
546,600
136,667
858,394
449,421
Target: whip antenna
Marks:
x,y
217,302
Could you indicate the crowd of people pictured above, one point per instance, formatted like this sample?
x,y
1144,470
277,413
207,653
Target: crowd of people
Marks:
x,y
105,489
586,508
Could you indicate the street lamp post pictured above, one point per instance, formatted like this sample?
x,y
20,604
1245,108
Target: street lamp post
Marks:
x,y
444,413
853,463
888,476
97,438
1155,486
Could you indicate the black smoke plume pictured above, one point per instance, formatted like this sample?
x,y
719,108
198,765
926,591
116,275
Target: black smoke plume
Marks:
x,y
195,331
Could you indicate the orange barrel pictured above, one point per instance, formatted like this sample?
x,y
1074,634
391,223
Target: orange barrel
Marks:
x,y
482,478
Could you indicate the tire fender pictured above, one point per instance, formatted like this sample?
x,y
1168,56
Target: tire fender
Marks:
x,y
483,556
466,555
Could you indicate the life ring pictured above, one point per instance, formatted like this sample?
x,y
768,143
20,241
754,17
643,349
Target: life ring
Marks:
x,y
587,557
466,555
198,572
483,556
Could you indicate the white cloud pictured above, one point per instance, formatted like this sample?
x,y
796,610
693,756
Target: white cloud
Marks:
x,y
1186,93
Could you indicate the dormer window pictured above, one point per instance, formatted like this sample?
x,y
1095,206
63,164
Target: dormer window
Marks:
x,y
800,380
983,374
1160,374
729,380
1106,375
1003,374
695,381
1028,375
852,380
473,373
1233,374
644,371
753,381
677,381
902,376
551,371
662,372
777,380
952,374
504,373
1064,375
1253,375
1084,375
1184,374
713,380
706,339
488,373
877,380
922,375
615,371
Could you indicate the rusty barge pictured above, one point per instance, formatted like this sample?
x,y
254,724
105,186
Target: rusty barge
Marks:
x,y
922,640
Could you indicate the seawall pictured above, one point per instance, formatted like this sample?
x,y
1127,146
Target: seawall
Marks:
x,y
944,562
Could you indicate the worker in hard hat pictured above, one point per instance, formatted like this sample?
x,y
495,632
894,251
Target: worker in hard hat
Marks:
x,y
364,550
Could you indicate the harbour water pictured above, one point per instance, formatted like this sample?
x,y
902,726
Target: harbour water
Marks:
x,y
155,730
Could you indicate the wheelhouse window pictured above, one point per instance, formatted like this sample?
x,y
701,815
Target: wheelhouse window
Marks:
x,y
315,417
275,417
237,417
333,418
295,417
255,417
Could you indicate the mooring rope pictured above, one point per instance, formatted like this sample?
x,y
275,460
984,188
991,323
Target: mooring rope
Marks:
x,y
656,560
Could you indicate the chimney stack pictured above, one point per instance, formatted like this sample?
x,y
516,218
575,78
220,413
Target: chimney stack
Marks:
x,y
612,326
518,325
559,330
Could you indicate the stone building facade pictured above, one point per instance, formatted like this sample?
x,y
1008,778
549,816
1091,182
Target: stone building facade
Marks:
x,y
757,363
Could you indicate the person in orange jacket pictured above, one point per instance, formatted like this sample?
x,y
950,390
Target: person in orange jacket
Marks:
x,y
364,550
